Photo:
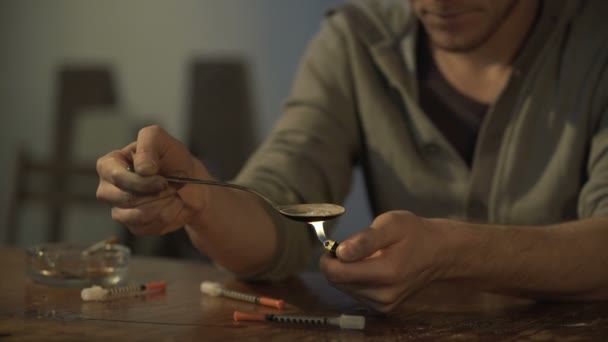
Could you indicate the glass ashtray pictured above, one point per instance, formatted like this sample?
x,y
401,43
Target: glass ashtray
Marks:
x,y
67,264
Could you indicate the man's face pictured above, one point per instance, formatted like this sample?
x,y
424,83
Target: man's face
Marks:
x,y
461,25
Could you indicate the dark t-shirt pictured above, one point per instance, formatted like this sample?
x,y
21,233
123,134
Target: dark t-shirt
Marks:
x,y
457,116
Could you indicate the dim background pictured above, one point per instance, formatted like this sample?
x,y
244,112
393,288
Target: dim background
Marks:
x,y
149,47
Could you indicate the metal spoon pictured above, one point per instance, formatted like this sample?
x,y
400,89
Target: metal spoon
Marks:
x,y
310,212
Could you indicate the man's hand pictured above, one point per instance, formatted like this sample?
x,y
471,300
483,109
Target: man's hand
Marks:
x,y
387,262
143,200
402,253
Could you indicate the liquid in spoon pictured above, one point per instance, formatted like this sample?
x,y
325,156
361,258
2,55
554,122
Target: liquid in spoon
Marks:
x,y
311,212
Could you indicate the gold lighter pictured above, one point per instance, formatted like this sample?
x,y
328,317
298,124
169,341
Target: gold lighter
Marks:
x,y
331,246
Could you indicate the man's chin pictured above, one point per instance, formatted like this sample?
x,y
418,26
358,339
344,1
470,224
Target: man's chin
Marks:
x,y
456,44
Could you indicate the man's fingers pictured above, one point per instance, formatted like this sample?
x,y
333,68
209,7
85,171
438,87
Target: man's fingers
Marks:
x,y
385,230
366,272
113,169
129,181
367,242
154,145
381,298
155,218
112,161
151,146
130,199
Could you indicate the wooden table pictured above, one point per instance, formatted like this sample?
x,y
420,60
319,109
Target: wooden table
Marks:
x,y
31,311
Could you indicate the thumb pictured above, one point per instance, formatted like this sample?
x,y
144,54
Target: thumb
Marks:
x,y
366,243
149,149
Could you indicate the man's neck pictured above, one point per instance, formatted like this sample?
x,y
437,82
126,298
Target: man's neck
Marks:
x,y
483,72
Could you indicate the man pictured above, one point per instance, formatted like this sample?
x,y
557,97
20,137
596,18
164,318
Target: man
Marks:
x,y
484,119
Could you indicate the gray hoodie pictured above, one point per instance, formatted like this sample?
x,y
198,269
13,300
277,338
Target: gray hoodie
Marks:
x,y
541,155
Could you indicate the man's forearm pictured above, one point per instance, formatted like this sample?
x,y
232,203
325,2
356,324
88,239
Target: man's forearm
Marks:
x,y
567,261
236,231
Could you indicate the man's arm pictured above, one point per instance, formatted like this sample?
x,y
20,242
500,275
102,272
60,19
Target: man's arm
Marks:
x,y
567,261
401,253
229,225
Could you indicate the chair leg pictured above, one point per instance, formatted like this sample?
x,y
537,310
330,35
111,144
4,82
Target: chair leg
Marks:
x,y
12,221
16,201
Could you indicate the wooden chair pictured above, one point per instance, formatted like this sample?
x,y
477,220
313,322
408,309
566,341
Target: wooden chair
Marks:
x,y
220,128
79,88
220,124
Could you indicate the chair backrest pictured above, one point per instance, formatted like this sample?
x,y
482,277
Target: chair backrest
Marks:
x,y
221,128
78,89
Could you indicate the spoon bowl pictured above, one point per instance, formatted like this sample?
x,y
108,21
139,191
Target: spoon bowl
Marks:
x,y
308,212
311,212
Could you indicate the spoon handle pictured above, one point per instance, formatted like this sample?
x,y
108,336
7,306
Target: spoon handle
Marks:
x,y
176,179
186,180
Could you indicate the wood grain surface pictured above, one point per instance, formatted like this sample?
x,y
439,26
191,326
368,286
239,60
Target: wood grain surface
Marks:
x,y
34,312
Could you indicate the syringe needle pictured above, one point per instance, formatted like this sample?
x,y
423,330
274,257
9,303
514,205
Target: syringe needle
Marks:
x,y
342,321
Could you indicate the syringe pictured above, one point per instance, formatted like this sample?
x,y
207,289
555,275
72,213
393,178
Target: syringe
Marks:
x,y
215,289
342,321
98,293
